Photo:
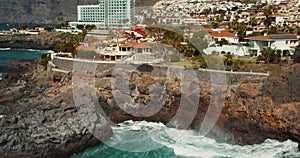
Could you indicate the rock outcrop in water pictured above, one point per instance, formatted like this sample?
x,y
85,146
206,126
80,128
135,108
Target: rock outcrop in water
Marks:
x,y
42,121
255,109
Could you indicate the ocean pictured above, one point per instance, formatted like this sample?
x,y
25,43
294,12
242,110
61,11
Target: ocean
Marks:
x,y
142,136
19,54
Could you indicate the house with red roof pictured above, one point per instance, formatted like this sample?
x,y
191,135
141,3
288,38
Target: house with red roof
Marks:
x,y
215,35
136,51
284,43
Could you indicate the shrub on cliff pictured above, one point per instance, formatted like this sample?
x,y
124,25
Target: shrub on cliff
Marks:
x,y
65,47
44,60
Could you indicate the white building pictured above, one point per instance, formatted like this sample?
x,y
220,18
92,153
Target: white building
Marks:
x,y
285,43
107,14
216,35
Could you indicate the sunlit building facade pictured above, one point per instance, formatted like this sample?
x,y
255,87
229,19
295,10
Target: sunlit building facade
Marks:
x,y
107,14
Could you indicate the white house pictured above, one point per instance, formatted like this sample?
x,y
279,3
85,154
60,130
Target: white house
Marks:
x,y
215,35
285,43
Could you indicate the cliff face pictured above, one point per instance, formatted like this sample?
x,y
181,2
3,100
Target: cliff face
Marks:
x,y
43,41
37,11
255,109
259,109
42,121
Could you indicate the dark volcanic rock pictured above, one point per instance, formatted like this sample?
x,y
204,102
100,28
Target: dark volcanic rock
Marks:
x,y
43,41
43,124
36,11
47,124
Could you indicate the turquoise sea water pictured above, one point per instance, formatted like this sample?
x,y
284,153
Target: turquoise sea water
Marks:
x,y
19,54
173,143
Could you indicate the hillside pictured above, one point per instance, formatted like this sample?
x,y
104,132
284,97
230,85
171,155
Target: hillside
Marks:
x,y
37,11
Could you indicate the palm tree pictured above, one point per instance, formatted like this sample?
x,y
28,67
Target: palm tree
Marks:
x,y
228,59
253,21
268,13
60,19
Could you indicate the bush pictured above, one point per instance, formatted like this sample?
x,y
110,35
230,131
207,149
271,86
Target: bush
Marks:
x,y
66,47
44,60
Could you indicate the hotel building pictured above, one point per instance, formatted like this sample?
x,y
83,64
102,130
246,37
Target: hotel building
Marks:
x,y
107,14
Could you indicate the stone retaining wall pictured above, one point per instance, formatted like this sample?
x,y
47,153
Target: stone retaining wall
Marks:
x,y
203,75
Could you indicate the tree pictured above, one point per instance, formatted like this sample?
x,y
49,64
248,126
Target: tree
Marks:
x,y
49,29
253,21
219,20
23,26
60,20
90,27
44,60
223,42
270,55
272,30
268,13
241,30
214,25
228,60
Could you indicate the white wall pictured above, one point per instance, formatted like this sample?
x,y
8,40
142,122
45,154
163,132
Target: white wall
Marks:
x,y
233,49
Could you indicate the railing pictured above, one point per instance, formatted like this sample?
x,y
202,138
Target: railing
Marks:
x,y
199,69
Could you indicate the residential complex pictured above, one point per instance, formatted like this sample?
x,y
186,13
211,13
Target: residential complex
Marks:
x,y
241,29
285,43
107,14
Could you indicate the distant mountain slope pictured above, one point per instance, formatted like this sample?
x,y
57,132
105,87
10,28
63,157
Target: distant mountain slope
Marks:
x,y
45,11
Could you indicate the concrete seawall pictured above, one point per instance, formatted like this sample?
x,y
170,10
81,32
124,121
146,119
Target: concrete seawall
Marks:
x,y
203,75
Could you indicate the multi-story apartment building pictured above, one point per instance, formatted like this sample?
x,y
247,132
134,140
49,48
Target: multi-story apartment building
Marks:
x,y
107,14
285,43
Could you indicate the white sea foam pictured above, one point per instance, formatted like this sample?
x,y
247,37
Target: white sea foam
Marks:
x,y
188,143
5,49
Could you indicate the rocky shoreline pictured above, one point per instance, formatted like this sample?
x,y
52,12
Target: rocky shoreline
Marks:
x,y
41,119
42,41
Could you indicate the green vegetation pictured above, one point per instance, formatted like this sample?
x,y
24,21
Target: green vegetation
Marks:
x,y
49,28
268,13
44,60
223,42
65,47
190,48
270,56
239,28
71,42
23,26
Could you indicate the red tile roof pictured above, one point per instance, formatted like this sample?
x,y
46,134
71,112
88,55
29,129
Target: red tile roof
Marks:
x,y
271,37
223,33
